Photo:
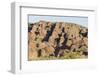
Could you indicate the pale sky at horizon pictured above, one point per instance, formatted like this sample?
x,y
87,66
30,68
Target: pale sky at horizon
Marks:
x,y
78,20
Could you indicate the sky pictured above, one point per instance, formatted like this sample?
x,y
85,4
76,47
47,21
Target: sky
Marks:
x,y
73,19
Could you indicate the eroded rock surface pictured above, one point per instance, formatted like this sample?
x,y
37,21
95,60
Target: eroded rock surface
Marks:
x,y
57,39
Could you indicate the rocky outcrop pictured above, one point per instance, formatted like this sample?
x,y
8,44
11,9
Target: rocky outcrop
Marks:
x,y
56,39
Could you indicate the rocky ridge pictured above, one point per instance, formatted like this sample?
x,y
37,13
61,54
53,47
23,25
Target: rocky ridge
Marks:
x,y
55,40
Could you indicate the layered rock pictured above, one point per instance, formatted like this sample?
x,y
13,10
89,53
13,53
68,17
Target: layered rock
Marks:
x,y
55,39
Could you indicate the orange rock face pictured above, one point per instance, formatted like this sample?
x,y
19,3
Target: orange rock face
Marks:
x,y
56,39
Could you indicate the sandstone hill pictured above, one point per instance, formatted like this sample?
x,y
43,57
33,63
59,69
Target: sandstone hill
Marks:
x,y
57,40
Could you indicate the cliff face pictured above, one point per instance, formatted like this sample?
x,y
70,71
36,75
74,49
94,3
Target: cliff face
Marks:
x,y
58,40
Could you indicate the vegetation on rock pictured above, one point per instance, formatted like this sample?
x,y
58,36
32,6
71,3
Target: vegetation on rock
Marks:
x,y
57,40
